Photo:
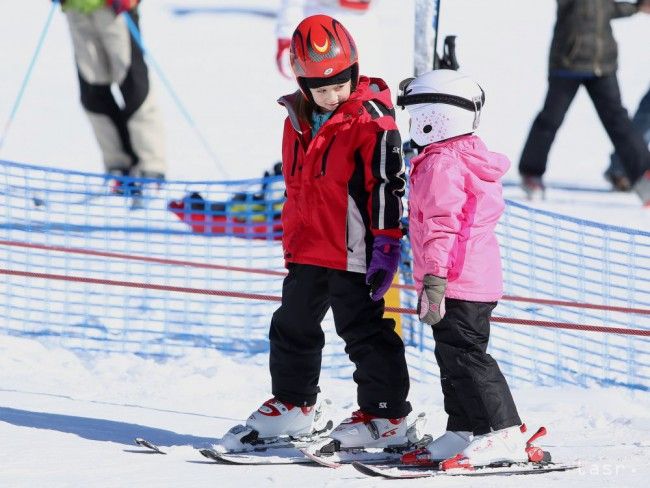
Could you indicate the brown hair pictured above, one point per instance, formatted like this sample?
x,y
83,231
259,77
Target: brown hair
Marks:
x,y
304,108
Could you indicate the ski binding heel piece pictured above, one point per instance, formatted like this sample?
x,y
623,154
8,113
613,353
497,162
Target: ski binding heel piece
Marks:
x,y
536,454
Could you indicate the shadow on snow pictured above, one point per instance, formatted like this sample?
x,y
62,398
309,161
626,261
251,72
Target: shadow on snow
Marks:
x,y
100,429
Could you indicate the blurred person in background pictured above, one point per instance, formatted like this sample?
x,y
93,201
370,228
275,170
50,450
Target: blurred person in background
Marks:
x,y
584,52
127,122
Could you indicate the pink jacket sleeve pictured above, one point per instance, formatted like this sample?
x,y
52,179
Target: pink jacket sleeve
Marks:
x,y
441,202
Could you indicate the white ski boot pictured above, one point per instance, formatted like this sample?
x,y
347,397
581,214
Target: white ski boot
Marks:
x,y
363,430
510,445
275,420
447,445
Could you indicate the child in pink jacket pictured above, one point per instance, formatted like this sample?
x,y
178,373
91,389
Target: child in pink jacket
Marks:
x,y
455,201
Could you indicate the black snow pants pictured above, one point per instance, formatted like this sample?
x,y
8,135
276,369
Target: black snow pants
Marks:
x,y
372,344
606,96
476,395
641,121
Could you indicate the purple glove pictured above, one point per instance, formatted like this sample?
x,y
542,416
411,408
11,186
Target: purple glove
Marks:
x,y
383,265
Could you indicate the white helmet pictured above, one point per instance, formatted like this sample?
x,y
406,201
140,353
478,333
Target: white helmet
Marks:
x,y
442,103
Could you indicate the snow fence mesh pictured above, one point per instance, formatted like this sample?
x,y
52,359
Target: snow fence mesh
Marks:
x,y
157,268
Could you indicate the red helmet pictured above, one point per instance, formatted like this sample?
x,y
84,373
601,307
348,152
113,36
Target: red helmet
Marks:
x,y
321,48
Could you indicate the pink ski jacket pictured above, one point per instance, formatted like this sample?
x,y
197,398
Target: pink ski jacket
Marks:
x,y
455,201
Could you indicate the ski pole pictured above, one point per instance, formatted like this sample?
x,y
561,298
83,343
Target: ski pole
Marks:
x,y
28,74
436,19
135,32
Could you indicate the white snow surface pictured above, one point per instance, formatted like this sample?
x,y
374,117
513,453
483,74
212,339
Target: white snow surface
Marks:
x,y
68,419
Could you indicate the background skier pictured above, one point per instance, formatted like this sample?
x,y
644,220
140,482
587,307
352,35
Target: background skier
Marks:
x,y
584,52
129,131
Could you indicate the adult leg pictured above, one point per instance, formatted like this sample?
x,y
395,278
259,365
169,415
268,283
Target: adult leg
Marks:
x,y
461,341
143,113
140,112
95,78
296,335
641,118
628,141
559,96
372,344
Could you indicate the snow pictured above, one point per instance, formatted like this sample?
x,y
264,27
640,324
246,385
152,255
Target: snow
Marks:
x,y
68,419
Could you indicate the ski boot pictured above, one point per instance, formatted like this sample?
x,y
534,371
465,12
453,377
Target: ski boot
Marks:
x,y
642,188
364,438
447,445
277,421
365,430
618,180
501,447
533,187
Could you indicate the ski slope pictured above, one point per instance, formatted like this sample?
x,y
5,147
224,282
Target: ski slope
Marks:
x,y
68,420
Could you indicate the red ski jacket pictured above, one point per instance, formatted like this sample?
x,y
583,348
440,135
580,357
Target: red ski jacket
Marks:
x,y
345,185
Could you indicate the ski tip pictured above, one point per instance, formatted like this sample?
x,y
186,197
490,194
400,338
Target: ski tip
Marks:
x,y
362,468
139,441
319,459
209,454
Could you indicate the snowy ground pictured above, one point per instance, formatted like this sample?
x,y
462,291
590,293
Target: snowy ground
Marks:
x,y
68,420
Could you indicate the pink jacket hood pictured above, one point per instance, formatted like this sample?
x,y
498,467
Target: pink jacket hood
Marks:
x,y
486,165
455,202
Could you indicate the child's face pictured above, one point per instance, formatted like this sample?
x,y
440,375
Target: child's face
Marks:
x,y
329,97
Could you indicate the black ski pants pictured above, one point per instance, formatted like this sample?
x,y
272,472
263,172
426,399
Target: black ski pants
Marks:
x,y
297,340
641,121
606,97
476,395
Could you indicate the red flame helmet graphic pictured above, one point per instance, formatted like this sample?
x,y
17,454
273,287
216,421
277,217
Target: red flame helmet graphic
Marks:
x,y
321,48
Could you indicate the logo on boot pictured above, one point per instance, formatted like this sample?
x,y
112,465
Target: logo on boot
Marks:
x,y
389,433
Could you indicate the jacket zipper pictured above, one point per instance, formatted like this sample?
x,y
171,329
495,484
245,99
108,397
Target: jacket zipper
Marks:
x,y
347,237
323,167
295,158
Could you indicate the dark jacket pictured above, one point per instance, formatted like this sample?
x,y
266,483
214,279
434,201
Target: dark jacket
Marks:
x,y
344,186
583,41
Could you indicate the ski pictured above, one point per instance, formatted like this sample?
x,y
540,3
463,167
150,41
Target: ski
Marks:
x,y
139,441
290,455
241,446
405,471
269,451
384,457
274,455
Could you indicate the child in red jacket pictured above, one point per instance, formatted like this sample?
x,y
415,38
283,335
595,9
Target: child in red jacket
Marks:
x,y
343,169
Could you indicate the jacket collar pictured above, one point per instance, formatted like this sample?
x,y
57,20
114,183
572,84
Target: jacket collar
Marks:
x,y
367,89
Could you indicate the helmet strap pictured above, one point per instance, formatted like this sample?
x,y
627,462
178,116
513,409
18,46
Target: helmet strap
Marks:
x,y
478,105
